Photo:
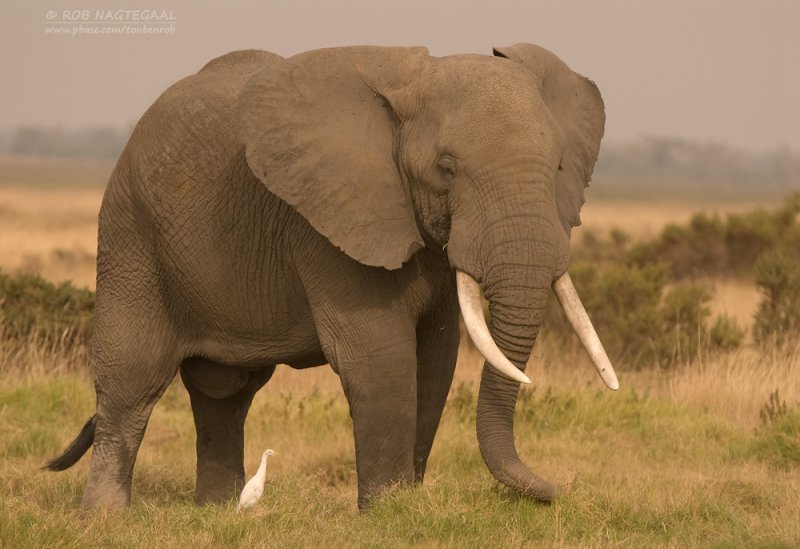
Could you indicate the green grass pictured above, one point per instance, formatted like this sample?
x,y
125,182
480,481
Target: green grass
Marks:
x,y
639,470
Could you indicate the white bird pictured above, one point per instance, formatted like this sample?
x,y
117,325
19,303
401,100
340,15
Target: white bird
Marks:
x,y
254,488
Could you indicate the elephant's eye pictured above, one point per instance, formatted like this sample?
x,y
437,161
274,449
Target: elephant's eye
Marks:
x,y
447,166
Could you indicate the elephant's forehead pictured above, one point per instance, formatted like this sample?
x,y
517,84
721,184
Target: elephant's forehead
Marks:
x,y
486,100
490,79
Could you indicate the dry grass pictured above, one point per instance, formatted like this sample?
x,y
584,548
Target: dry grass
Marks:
x,y
678,458
738,386
52,232
646,219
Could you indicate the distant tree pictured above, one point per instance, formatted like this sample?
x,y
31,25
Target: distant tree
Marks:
x,y
95,142
667,166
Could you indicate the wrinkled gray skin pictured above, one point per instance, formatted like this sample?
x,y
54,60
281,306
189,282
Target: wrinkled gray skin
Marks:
x,y
312,210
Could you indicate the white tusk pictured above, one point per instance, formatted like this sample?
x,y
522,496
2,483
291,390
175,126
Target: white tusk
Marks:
x,y
469,299
576,314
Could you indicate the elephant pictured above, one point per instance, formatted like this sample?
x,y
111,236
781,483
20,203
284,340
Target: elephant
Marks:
x,y
341,206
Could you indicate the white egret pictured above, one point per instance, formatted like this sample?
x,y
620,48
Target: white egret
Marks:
x,y
254,488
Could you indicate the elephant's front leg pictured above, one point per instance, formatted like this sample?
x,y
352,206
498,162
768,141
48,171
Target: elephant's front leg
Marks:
x,y
437,350
377,365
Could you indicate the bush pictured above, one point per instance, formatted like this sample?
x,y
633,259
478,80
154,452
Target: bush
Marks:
x,y
623,301
32,307
688,250
710,246
625,285
685,316
725,334
778,317
639,320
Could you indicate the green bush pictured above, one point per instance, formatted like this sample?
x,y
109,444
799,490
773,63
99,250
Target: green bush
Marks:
x,y
725,334
710,246
777,319
779,441
640,320
690,250
625,284
685,316
32,307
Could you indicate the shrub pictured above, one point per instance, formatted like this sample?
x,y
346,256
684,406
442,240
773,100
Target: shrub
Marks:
x,y
725,334
593,246
31,306
777,319
640,319
774,409
684,316
779,441
712,247
690,250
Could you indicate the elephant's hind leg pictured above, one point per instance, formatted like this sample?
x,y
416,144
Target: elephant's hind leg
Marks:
x,y
221,396
135,361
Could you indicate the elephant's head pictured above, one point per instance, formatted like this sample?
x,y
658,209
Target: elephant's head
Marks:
x,y
387,150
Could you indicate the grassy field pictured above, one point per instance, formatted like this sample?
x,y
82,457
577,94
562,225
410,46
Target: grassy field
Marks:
x,y
704,454
695,457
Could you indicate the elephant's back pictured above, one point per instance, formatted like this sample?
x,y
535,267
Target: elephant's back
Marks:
x,y
183,157
242,61
190,129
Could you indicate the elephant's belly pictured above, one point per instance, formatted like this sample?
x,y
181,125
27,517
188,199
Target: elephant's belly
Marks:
x,y
296,345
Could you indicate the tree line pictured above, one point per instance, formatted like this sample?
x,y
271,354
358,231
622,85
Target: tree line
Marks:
x,y
624,170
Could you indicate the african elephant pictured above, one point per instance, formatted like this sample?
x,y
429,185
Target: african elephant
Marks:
x,y
340,206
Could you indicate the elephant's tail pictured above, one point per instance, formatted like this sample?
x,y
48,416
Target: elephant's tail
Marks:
x,y
75,450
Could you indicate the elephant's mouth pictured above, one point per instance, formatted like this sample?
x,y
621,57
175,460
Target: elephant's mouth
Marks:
x,y
469,299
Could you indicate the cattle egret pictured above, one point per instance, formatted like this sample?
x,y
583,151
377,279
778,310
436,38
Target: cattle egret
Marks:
x,y
254,488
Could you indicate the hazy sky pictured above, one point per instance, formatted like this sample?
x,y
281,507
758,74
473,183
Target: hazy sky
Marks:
x,y
707,70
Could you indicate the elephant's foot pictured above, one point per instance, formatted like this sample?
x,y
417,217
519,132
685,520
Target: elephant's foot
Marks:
x,y
369,495
108,488
106,498
218,482
384,425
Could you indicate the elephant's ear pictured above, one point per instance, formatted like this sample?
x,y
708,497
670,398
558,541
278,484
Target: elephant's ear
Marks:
x,y
319,133
577,106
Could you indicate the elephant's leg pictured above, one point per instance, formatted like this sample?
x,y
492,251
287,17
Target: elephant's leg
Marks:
x,y
377,364
437,350
220,396
135,361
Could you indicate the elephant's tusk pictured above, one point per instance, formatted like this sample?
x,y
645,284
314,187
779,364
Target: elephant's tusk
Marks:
x,y
469,299
576,314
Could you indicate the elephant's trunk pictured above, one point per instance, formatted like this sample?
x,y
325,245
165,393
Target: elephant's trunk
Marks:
x,y
519,252
515,325
515,321
518,292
